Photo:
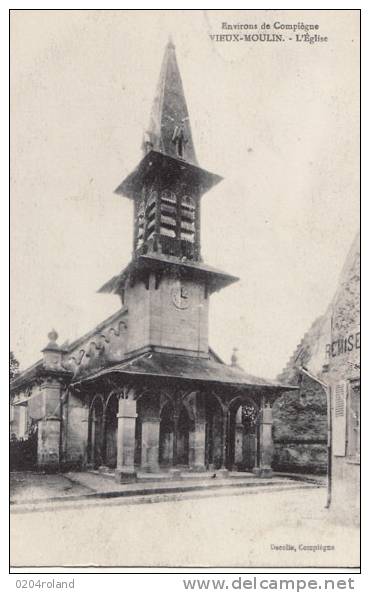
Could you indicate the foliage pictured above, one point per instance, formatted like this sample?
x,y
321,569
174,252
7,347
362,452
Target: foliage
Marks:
x,y
13,366
249,416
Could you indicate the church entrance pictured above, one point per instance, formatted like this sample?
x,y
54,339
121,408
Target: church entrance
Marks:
x,y
243,436
174,436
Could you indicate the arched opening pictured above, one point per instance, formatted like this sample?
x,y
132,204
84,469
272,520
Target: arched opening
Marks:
x,y
95,450
111,431
166,435
243,435
213,414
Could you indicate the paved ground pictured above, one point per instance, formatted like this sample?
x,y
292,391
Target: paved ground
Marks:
x,y
26,487
32,490
222,530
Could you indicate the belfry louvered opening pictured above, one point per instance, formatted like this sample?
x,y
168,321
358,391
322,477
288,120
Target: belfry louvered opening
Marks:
x,y
168,217
187,232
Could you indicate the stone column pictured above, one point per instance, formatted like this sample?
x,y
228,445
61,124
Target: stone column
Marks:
x,y
239,446
175,432
103,466
266,442
125,471
85,430
50,425
197,446
150,444
225,430
48,443
174,471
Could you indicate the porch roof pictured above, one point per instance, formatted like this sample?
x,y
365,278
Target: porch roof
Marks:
x,y
173,366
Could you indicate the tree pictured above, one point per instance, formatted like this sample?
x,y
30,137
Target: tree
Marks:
x,y
13,366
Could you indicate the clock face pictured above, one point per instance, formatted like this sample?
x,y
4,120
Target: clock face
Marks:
x,y
180,297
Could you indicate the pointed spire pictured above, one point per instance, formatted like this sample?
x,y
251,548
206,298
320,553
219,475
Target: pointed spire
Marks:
x,y
169,129
170,43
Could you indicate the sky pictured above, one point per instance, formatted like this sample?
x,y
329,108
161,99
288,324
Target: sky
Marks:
x,y
278,121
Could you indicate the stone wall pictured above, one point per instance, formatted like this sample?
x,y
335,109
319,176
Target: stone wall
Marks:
x,y
300,418
106,343
300,430
159,317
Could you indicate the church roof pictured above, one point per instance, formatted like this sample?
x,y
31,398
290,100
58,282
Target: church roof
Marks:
x,y
216,279
156,160
173,366
168,142
169,112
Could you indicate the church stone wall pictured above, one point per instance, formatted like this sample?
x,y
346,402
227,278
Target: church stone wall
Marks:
x,y
107,343
137,299
158,316
182,327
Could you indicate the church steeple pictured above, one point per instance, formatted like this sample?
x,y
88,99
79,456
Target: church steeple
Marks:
x,y
169,129
166,266
168,183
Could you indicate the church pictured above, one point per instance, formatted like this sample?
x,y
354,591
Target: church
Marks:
x,y
144,392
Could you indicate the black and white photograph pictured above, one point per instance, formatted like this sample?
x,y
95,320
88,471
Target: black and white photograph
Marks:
x,y
185,289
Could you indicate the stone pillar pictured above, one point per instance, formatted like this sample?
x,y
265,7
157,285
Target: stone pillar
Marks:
x,y
91,442
85,432
50,426
266,442
48,443
174,440
174,471
225,430
125,471
239,459
197,446
150,444
103,466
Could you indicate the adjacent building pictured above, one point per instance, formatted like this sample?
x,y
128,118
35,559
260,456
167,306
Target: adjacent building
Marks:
x,y
330,352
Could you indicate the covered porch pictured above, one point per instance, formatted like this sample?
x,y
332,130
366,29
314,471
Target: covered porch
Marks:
x,y
165,413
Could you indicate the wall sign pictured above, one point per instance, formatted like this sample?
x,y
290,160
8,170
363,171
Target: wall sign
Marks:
x,y
343,345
